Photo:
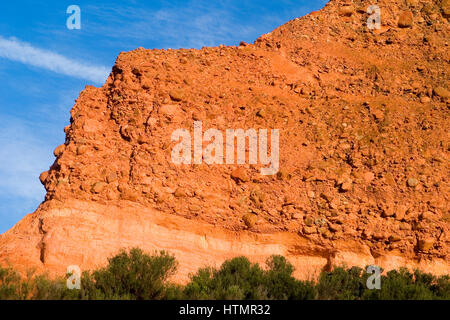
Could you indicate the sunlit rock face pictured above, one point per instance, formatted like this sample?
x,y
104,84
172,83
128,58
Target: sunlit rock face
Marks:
x,y
362,168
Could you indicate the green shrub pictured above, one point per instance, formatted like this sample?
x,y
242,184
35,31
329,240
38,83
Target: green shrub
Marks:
x,y
44,288
131,275
441,288
341,284
281,285
238,279
10,284
403,285
174,292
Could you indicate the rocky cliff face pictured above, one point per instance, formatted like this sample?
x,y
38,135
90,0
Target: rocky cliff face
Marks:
x,y
363,151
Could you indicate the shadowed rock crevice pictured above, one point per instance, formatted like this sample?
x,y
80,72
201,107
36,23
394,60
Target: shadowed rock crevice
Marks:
x,y
41,244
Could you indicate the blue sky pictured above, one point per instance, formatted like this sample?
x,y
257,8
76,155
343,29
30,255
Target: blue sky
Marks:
x,y
44,66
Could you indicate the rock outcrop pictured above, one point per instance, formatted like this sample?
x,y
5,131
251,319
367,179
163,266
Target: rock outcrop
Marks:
x,y
363,151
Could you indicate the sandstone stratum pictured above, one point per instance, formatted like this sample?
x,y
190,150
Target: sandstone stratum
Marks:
x,y
364,151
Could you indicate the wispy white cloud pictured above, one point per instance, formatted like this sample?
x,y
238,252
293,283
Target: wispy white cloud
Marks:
x,y
16,50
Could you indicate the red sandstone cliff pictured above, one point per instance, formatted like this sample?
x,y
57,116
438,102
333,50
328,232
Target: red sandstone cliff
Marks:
x,y
363,178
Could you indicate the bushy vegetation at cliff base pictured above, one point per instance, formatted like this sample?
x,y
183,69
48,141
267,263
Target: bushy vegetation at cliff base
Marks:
x,y
135,275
